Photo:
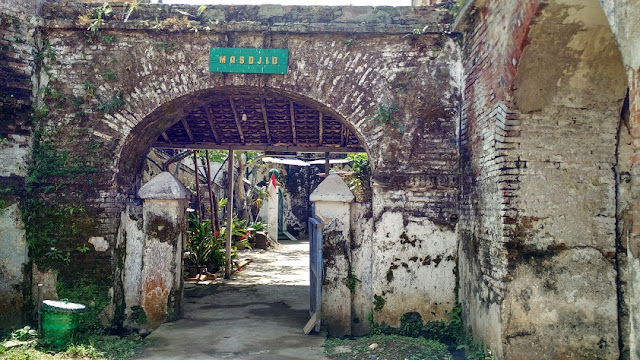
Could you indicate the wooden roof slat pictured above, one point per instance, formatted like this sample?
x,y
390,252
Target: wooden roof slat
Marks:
x,y
266,120
271,121
320,129
235,116
187,129
210,117
293,123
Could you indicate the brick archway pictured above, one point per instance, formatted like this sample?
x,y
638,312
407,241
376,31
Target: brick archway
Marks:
x,y
395,89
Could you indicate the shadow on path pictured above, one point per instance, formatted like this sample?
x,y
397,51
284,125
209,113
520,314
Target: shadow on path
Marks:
x,y
257,314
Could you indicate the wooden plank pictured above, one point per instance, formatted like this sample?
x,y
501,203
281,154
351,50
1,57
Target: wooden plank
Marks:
x,y
293,123
188,130
237,119
166,137
266,121
210,118
259,147
311,323
320,129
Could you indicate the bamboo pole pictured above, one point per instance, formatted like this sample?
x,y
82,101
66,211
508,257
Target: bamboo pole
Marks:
x,y
215,217
227,267
195,166
326,164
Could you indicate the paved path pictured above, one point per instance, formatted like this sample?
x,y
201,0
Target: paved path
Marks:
x,y
258,314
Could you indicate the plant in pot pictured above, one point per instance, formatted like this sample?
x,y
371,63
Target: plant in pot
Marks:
x,y
202,247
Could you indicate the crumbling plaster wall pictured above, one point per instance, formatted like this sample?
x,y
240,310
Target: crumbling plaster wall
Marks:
x,y
337,64
622,17
544,244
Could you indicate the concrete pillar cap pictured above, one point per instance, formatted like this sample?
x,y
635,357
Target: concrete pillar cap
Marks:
x,y
164,186
332,189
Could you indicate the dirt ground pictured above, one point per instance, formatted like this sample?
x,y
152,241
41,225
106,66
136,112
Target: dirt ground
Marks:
x,y
258,314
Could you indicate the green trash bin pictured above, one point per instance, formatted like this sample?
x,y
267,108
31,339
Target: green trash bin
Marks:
x,y
60,321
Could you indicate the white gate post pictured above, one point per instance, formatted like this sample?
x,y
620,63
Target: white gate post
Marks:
x,y
332,200
164,226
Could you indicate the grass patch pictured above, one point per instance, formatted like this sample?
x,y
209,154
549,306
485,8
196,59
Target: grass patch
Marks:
x,y
100,347
389,347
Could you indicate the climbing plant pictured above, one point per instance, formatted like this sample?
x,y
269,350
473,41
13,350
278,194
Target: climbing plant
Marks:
x,y
384,115
360,183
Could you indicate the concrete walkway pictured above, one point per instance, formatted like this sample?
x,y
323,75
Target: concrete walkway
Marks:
x,y
257,314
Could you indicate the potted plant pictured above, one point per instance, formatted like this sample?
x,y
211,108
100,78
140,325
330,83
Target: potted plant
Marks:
x,y
202,246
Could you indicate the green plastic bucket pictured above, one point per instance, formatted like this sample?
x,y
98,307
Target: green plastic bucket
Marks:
x,y
60,321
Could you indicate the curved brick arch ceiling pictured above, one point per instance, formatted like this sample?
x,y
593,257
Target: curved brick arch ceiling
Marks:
x,y
239,118
256,119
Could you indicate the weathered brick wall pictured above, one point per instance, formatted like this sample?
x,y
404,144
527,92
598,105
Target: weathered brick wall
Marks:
x,y
622,17
351,74
17,66
539,220
488,165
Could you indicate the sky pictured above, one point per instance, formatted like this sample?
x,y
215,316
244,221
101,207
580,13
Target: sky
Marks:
x,y
294,2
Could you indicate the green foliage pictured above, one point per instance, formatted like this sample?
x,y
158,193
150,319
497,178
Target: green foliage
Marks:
x,y
203,245
55,217
360,184
138,315
93,293
96,18
201,9
456,7
384,115
390,347
349,41
167,46
89,88
110,75
108,39
450,332
24,334
114,104
46,55
378,302
52,95
132,6
99,347
351,280
411,324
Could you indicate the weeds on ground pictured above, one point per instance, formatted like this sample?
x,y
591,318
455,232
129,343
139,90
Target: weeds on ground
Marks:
x,y
390,347
100,347
431,340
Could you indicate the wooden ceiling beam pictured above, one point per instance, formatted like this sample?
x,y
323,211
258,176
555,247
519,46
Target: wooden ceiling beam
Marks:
x,y
237,119
188,130
293,123
210,118
266,120
259,147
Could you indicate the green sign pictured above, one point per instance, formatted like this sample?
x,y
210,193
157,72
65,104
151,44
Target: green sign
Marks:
x,y
248,60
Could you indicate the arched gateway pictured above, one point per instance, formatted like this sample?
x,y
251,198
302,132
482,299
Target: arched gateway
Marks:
x,y
384,80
